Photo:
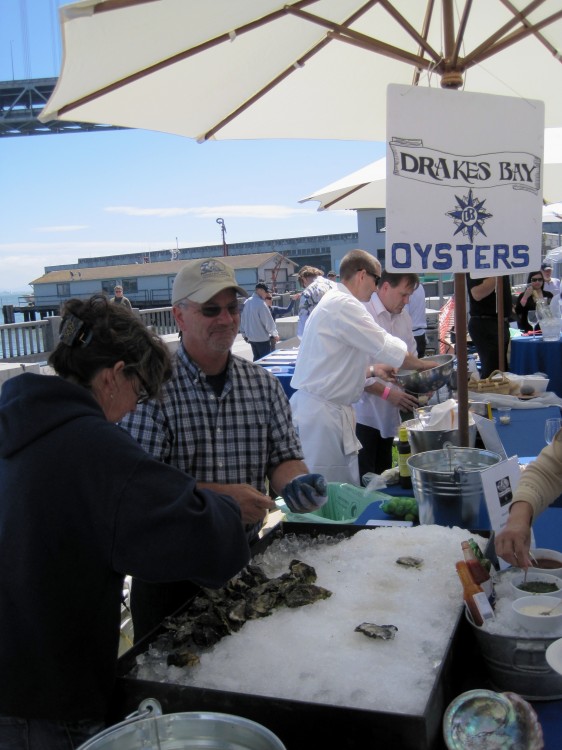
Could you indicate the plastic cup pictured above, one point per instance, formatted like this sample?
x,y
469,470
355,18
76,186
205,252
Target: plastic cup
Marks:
x,y
504,414
423,414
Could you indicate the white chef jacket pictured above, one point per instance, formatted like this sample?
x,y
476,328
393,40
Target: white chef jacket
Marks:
x,y
372,410
340,340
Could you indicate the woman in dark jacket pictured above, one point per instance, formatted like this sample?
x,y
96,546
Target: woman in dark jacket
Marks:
x,y
81,506
527,300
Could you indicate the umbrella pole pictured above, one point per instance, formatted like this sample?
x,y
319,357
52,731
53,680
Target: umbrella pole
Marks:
x,y
500,314
462,360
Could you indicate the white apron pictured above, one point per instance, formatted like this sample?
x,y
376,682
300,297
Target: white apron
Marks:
x,y
327,434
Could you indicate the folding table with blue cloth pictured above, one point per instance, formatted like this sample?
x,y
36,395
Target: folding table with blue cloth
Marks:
x,y
524,437
281,363
533,354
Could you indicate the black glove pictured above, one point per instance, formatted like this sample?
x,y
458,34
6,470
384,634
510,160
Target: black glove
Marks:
x,y
306,493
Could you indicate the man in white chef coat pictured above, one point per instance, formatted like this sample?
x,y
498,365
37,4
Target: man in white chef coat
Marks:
x,y
342,346
378,409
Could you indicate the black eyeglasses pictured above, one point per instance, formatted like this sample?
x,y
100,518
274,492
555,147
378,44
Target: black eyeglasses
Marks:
x,y
142,394
213,311
372,275
537,278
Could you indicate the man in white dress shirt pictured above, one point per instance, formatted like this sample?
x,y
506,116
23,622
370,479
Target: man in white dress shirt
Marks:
x,y
551,283
339,349
378,410
416,309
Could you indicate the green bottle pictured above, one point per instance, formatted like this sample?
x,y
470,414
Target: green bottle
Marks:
x,y
404,453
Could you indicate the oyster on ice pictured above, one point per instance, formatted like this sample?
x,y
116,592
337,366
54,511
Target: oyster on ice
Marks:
x,y
383,632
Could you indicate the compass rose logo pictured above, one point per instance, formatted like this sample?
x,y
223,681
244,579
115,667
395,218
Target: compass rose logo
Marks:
x,y
469,216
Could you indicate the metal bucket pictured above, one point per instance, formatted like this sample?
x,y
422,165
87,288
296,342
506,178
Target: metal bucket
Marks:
x,y
183,731
519,665
428,440
448,487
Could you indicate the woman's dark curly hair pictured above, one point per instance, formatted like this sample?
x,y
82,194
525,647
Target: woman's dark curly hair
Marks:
x,y
95,334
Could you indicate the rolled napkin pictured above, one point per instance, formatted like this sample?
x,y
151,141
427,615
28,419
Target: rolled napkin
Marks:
x,y
444,416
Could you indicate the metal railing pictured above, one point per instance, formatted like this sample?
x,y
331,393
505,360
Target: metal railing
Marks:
x,y
160,319
32,339
25,339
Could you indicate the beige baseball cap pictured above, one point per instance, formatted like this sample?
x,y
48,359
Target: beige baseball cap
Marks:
x,y
201,279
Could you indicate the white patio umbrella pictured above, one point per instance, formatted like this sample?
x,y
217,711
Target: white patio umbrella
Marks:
x,y
366,187
552,212
295,68
298,68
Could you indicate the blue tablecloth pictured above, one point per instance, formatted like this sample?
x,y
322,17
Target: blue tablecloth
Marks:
x,y
532,354
281,363
524,435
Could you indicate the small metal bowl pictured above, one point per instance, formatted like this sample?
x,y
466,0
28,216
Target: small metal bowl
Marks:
x,y
424,381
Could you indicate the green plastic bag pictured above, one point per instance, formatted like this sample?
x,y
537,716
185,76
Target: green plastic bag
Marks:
x,y
345,504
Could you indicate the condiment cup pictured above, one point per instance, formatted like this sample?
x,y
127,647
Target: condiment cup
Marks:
x,y
547,554
533,576
504,414
527,613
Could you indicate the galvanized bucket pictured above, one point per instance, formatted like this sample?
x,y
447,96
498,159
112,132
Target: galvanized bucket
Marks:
x,y
148,729
426,439
519,665
448,487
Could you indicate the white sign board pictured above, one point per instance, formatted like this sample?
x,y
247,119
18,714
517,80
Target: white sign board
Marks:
x,y
489,434
464,182
498,484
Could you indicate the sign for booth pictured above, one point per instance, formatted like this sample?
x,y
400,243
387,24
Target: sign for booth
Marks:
x,y
464,182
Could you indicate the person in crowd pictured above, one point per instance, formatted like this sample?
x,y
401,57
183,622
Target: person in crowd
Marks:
x,y
332,276
378,410
81,506
339,349
315,287
483,321
528,299
277,311
257,325
551,283
221,419
120,299
539,486
416,309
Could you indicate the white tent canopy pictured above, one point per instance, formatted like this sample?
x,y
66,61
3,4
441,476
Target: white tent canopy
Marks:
x,y
366,188
552,212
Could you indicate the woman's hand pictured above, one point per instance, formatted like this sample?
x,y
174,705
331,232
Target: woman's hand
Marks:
x,y
513,541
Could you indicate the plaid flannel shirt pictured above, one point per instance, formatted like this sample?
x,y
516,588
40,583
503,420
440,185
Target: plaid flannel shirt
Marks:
x,y
238,437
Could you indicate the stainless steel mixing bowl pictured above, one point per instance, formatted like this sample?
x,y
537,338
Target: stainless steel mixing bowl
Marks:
x,y
424,381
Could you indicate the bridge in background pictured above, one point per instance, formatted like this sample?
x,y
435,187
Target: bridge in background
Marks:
x,y
21,103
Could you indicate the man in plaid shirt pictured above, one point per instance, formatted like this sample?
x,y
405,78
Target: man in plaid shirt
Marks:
x,y
221,419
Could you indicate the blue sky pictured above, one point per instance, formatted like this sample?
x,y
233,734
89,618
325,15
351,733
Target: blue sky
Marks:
x,y
81,195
